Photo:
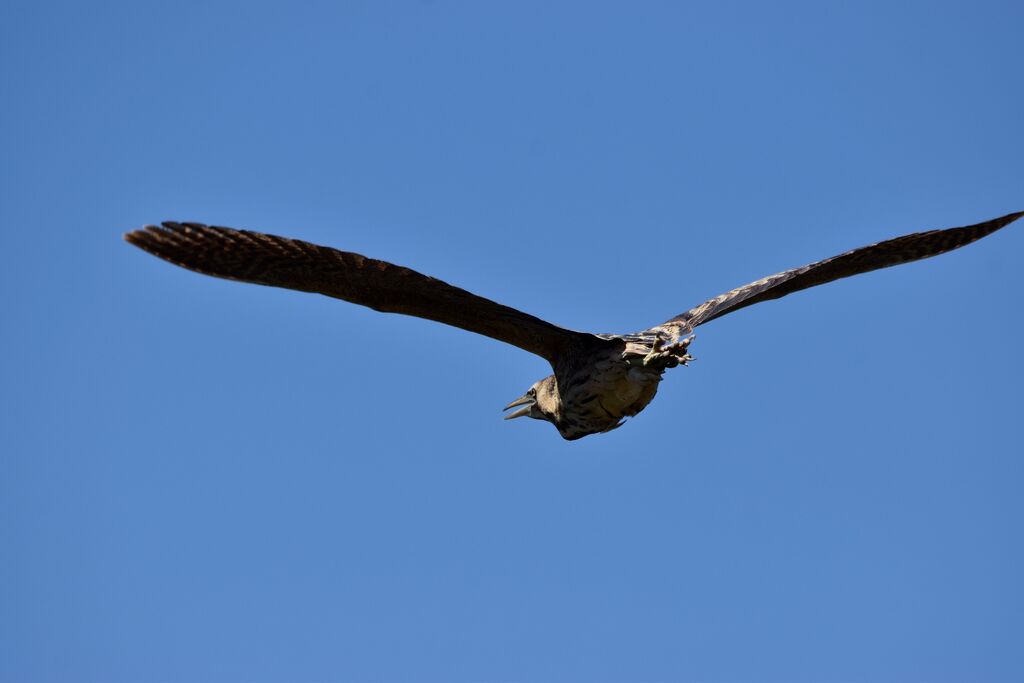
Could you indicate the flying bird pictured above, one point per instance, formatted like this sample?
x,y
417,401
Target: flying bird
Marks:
x,y
599,379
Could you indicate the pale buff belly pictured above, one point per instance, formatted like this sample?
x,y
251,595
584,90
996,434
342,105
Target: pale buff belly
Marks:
x,y
613,390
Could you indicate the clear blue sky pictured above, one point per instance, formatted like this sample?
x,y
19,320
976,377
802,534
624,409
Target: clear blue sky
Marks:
x,y
208,481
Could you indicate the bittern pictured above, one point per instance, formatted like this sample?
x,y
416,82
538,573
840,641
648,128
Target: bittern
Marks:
x,y
599,379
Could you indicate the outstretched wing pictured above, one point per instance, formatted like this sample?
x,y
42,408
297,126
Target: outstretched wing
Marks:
x,y
892,252
293,264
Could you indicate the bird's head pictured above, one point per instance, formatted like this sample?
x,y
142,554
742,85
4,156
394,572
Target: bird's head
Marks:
x,y
541,402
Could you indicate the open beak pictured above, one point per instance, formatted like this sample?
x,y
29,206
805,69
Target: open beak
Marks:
x,y
526,401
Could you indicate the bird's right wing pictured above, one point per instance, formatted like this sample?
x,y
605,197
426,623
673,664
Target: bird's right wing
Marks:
x,y
293,264
882,255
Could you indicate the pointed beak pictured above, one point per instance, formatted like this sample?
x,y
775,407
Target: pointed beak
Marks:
x,y
526,401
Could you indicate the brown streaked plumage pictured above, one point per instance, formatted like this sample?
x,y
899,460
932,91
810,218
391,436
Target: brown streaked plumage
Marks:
x,y
598,380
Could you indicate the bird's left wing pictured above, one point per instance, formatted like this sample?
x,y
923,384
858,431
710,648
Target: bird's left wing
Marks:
x,y
293,264
882,255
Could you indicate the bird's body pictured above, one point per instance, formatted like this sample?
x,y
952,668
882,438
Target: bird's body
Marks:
x,y
597,387
605,380
599,379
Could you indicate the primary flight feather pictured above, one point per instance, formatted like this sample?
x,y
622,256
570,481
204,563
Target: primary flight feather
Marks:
x,y
599,379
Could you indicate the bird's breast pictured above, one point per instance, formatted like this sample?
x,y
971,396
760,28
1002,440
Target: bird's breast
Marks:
x,y
598,396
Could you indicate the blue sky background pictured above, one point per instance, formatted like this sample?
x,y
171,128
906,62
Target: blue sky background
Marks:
x,y
208,481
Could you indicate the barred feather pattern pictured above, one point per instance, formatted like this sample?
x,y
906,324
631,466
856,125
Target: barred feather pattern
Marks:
x,y
293,264
892,252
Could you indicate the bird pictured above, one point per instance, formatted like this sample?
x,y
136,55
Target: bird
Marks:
x,y
598,380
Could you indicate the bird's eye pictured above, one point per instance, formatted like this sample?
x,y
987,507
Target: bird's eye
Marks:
x,y
531,392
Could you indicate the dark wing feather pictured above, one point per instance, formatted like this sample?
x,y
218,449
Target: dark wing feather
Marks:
x,y
892,252
293,264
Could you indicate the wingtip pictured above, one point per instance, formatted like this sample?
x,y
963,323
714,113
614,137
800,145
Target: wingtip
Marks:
x,y
1007,219
133,236
150,231
138,236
